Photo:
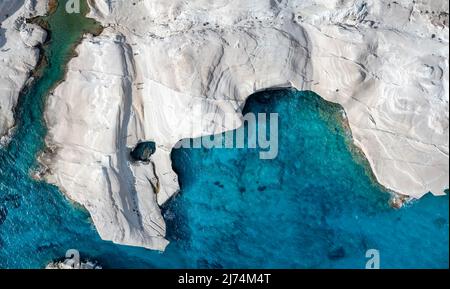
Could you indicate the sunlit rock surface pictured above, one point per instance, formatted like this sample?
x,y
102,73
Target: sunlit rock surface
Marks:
x,y
18,53
159,66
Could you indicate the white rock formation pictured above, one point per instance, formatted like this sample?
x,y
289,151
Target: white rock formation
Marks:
x,y
69,264
18,52
385,62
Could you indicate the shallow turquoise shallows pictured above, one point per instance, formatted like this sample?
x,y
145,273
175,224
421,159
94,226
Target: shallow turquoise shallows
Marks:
x,y
314,206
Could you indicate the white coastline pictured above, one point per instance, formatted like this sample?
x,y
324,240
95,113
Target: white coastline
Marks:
x,y
18,54
385,63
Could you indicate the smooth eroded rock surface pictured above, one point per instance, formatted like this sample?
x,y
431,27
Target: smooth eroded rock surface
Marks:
x,y
160,65
18,52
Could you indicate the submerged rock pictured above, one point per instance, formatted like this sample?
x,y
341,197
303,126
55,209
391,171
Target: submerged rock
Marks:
x,y
3,214
337,253
13,200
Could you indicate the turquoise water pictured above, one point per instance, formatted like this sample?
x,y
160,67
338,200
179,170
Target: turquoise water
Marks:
x,y
312,207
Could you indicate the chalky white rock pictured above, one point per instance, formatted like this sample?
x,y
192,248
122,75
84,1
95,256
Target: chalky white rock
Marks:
x,y
385,62
18,53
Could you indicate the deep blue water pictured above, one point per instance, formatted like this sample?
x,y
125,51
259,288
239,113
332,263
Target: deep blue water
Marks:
x,y
312,206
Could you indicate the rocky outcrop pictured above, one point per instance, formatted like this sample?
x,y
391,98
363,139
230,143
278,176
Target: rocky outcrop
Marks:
x,y
88,136
160,65
18,53
143,151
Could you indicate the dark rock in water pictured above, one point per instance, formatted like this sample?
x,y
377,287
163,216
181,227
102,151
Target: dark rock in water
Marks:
x,y
262,188
13,200
337,253
46,247
3,214
219,184
205,264
440,222
242,190
143,151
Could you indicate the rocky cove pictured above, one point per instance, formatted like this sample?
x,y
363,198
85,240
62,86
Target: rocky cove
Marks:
x,y
116,94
